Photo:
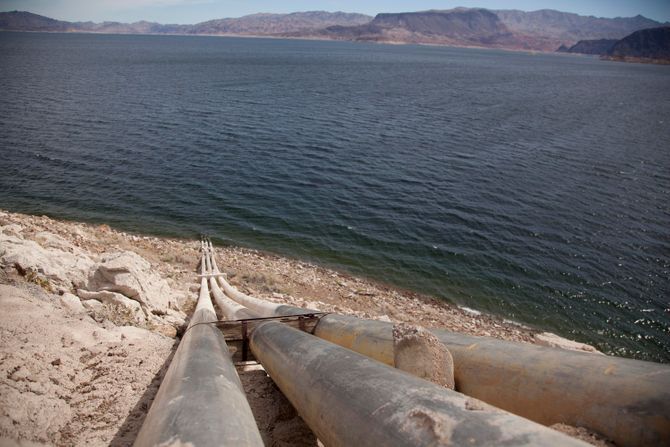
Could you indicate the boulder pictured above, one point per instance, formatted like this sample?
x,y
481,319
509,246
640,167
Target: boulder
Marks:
x,y
58,266
71,303
129,274
125,306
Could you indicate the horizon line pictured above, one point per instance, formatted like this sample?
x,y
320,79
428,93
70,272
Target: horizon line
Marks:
x,y
330,12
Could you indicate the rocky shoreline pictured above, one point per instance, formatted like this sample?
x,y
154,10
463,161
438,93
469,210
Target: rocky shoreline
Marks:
x,y
91,315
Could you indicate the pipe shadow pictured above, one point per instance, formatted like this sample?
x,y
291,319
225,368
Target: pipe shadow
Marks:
x,y
131,426
278,422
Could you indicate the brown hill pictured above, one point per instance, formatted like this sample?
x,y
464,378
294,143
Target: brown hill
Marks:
x,y
272,24
649,45
468,27
570,28
256,24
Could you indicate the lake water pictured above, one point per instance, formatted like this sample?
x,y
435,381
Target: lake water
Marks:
x,y
535,187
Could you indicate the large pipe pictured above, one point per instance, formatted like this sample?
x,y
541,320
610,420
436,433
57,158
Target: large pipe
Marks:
x,y
259,307
230,309
351,400
201,401
623,399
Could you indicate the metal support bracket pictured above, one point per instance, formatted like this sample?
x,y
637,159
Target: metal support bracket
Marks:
x,y
238,332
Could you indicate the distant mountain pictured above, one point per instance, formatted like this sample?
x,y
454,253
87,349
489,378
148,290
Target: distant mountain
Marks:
x,y
273,24
26,21
570,28
646,45
256,24
469,27
543,30
539,30
597,47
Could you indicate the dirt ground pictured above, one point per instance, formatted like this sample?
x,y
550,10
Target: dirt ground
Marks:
x,y
82,379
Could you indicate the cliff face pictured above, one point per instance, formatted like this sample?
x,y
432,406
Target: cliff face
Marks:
x,y
646,44
469,27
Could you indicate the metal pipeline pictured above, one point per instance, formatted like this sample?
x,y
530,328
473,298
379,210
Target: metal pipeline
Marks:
x,y
231,309
351,400
200,401
258,306
626,400
623,399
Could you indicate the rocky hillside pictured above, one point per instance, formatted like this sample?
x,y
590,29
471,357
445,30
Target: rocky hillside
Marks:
x,y
26,21
649,44
468,27
570,28
256,24
595,47
271,24
543,30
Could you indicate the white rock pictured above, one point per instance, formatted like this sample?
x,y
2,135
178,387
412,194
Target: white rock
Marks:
x,y
117,300
12,230
175,318
50,240
58,266
554,341
71,303
93,305
130,274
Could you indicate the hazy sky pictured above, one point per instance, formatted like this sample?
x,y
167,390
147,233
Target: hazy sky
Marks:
x,y
192,11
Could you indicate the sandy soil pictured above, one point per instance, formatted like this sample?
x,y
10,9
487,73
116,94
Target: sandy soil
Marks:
x,y
69,379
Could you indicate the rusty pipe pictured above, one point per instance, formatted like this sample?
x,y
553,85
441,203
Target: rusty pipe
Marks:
x,y
626,400
348,399
201,401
